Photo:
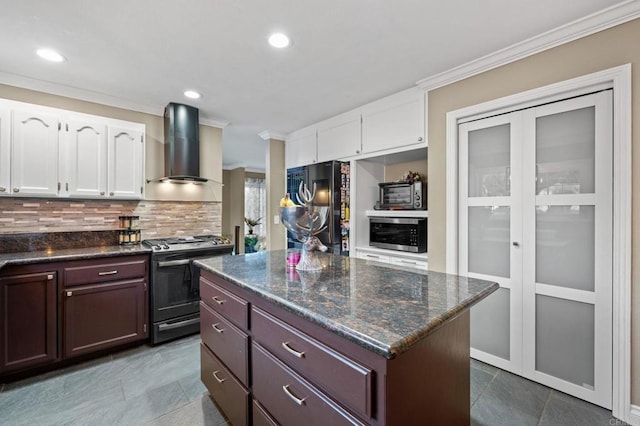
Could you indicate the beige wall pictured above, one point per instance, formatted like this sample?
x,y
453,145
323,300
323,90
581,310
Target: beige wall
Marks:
x,y
393,172
233,204
210,144
276,189
233,198
607,49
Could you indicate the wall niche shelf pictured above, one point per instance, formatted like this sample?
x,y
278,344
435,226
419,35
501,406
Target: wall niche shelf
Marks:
x,y
397,213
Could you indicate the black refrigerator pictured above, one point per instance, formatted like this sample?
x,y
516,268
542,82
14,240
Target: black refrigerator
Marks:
x,y
332,180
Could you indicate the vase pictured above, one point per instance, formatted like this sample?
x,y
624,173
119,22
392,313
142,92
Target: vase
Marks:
x,y
250,242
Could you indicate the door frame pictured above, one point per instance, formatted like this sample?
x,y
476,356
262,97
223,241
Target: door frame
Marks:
x,y
619,78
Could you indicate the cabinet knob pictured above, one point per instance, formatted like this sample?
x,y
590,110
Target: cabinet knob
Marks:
x,y
101,192
357,151
111,194
69,293
515,244
16,189
50,277
420,139
2,189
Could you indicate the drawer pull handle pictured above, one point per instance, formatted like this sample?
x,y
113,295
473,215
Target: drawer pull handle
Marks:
x,y
107,273
218,379
216,328
295,399
217,300
288,348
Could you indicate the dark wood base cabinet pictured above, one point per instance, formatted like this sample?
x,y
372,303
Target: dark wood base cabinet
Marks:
x,y
56,311
29,320
278,368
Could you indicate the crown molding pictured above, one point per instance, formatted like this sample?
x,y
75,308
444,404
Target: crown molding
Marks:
x,y
214,122
270,134
91,96
606,18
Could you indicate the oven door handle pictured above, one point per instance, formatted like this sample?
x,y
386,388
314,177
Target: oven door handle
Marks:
x,y
173,263
163,327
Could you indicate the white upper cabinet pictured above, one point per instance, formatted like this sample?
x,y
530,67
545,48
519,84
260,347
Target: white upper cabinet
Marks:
x,y
126,162
395,121
86,159
50,152
339,137
390,125
300,148
34,153
5,151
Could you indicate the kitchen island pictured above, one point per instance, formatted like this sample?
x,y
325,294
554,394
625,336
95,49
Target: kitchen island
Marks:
x,y
358,342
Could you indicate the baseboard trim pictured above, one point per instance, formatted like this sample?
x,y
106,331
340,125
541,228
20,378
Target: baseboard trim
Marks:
x,y
634,415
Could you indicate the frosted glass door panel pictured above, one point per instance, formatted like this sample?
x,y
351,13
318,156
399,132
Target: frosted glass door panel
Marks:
x,y
565,152
565,246
490,326
565,339
489,241
489,161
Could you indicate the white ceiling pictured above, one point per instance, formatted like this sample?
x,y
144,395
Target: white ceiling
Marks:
x,y
143,54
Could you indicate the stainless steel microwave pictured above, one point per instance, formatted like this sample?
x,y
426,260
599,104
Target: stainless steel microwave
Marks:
x,y
402,196
398,233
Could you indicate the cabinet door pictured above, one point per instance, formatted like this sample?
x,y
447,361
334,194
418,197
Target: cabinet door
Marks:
x,y
125,163
5,151
394,124
86,159
300,149
100,316
339,137
34,153
28,320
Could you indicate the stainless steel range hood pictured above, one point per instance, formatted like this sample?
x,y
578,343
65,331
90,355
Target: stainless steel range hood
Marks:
x,y
182,144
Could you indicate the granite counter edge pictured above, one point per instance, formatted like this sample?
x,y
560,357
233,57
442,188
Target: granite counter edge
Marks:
x,y
363,340
29,258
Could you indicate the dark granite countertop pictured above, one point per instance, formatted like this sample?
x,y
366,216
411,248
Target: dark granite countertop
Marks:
x,y
379,307
25,258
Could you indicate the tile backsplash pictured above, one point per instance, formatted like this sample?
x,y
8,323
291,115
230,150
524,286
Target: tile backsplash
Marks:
x,y
157,218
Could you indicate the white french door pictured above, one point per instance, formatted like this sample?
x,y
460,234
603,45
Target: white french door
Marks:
x,y
535,215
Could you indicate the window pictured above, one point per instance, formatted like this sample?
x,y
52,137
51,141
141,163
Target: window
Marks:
x,y
255,204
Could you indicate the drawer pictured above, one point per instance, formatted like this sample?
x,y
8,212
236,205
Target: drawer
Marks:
x,y
289,397
226,341
339,376
227,392
372,256
399,261
105,270
261,417
228,304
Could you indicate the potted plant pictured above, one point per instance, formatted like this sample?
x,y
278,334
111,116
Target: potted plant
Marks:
x,y
250,240
251,223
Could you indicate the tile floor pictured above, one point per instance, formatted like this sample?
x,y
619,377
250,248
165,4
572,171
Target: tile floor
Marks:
x,y
161,386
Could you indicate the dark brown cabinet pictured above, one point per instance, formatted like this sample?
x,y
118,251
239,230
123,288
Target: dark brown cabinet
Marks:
x,y
28,321
299,372
105,303
100,316
56,311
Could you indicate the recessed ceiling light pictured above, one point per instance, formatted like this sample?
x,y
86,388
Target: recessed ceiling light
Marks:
x,y
50,55
279,40
192,94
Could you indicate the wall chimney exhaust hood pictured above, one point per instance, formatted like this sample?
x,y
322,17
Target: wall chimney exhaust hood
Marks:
x,y
182,143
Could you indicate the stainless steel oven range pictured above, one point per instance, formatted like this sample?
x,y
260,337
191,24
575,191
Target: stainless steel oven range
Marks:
x,y
174,289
